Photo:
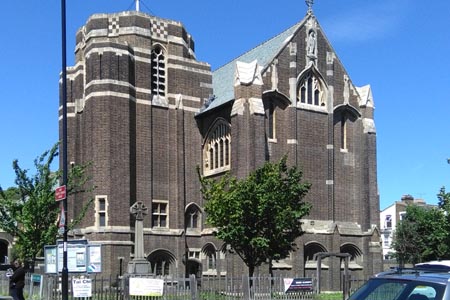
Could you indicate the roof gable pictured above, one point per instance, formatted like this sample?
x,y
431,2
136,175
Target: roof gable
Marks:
x,y
264,54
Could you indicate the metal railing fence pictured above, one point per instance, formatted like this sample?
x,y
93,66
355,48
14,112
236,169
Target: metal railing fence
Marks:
x,y
206,288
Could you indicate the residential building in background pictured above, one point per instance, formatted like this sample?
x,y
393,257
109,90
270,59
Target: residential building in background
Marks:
x,y
147,113
389,218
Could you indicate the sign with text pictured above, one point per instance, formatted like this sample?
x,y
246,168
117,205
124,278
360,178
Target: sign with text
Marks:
x,y
60,193
82,288
141,286
292,285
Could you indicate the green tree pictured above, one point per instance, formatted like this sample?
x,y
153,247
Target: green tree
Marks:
x,y
29,211
422,235
258,216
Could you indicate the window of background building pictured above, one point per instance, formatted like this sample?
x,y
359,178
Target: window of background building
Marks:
x,y
388,221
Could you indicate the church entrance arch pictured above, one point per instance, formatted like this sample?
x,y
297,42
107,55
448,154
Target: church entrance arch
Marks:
x,y
3,251
194,267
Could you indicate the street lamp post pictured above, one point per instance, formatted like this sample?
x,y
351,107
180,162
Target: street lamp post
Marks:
x,y
65,271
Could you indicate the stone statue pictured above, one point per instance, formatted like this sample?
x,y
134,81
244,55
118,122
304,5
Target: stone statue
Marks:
x,y
311,44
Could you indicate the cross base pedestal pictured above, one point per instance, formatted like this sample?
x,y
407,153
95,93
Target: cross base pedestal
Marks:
x,y
139,266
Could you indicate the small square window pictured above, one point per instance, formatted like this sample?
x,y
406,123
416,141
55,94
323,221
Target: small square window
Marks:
x,y
159,214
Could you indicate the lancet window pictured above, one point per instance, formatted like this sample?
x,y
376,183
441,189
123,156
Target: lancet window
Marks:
x,y
158,72
217,149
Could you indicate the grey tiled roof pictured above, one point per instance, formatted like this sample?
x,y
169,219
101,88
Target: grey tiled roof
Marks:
x,y
223,78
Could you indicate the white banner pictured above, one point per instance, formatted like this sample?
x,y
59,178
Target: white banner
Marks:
x,y
140,286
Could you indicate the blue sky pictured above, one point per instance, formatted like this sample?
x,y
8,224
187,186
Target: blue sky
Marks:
x,y
400,47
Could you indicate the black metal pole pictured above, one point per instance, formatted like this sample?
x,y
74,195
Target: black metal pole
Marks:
x,y
65,271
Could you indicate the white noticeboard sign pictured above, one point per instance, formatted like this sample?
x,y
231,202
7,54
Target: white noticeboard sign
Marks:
x,y
82,288
76,257
140,286
81,257
50,259
94,258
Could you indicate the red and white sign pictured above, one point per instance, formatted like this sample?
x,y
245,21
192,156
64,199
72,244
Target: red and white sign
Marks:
x,y
60,193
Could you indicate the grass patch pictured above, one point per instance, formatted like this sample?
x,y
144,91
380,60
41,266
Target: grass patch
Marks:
x,y
329,296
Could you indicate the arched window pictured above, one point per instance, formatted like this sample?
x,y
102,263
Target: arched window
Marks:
x,y
310,90
216,150
345,117
311,249
193,217
161,262
210,255
158,72
355,256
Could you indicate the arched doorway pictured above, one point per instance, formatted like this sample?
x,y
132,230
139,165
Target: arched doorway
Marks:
x,y
3,252
194,267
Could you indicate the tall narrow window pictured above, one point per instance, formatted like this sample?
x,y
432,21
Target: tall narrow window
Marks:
x,y
310,91
159,214
271,120
216,156
227,152
217,149
210,255
211,260
101,205
221,156
158,69
100,56
343,131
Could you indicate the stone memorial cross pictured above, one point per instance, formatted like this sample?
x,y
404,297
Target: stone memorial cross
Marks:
x,y
139,210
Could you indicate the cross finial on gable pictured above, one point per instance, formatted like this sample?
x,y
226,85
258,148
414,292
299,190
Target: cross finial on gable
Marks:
x,y
309,3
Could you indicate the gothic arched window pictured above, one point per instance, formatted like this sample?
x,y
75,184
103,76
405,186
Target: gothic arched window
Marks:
x,y
217,149
161,262
210,255
310,90
193,217
158,72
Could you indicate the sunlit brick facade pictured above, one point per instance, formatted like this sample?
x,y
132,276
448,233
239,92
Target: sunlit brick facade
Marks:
x,y
146,113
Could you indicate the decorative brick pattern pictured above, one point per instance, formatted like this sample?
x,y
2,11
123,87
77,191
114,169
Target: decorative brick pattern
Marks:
x,y
159,29
113,26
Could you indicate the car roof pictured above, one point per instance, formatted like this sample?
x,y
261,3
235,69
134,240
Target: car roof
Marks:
x,y
417,274
437,264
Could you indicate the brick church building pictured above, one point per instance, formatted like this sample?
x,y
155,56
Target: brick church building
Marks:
x,y
146,113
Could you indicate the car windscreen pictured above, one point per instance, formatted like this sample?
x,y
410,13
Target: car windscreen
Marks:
x,y
399,289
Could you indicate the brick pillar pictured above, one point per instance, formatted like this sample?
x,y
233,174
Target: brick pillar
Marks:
x,y
247,120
